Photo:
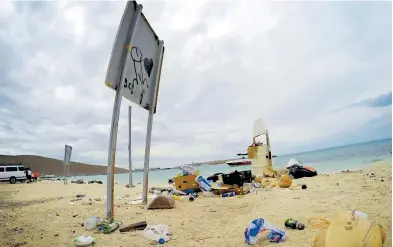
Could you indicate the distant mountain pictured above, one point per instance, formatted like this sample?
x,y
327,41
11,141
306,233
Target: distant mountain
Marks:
x,y
44,165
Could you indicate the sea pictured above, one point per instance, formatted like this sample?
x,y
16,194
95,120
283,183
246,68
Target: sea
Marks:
x,y
329,160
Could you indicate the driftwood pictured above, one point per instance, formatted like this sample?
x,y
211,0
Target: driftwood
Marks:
x,y
136,226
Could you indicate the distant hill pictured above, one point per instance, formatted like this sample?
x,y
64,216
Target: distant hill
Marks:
x,y
47,166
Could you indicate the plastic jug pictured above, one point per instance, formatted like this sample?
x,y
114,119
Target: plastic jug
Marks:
x,y
91,222
157,233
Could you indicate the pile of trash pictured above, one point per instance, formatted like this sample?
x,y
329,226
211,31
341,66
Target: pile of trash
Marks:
x,y
189,184
157,233
345,229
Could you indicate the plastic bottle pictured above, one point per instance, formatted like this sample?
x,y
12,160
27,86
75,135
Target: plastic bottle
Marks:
x,y
259,230
192,197
228,194
294,224
157,233
91,222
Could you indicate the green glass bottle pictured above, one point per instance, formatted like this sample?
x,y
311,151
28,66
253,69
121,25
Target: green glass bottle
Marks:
x,y
110,227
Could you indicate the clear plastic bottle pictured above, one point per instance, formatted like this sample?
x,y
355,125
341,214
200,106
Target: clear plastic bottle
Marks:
x,y
91,222
157,233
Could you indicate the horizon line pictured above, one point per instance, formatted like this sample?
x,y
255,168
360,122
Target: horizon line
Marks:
x,y
278,155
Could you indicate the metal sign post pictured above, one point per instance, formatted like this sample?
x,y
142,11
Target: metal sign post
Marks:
x,y
146,166
132,15
133,72
129,149
67,158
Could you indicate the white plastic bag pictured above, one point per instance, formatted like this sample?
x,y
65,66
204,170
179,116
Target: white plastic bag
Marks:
x,y
157,233
86,200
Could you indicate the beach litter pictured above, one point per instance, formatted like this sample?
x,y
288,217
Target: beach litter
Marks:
x,y
192,197
108,226
91,222
294,224
162,202
285,181
83,241
86,200
260,232
228,194
134,227
157,233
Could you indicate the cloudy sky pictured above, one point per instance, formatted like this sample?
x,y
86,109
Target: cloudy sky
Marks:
x,y
318,73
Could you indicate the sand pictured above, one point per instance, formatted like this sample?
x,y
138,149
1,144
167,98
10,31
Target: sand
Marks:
x,y
40,214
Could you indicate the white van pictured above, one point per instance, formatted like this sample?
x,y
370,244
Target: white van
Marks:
x,y
12,173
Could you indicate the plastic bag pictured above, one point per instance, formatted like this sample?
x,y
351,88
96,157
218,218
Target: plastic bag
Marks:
x,y
260,230
83,241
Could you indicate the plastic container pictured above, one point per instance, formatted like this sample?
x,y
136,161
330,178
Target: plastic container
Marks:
x,y
158,233
91,222
259,230
203,183
83,241
228,194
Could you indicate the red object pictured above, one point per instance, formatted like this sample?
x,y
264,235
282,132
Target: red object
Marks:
x,y
309,168
35,175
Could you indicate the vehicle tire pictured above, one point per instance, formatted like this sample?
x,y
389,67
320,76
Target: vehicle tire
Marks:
x,y
12,180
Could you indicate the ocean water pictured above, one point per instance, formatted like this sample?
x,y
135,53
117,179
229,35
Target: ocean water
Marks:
x,y
352,157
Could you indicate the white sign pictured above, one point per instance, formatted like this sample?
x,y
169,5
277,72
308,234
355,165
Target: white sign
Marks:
x,y
119,51
138,63
142,61
67,155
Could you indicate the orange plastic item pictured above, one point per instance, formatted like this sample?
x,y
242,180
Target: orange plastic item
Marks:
x,y
309,168
285,181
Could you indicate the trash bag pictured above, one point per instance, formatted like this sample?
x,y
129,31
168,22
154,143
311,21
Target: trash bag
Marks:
x,y
297,171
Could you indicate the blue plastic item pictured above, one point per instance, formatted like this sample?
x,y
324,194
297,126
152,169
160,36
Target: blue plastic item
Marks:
x,y
253,230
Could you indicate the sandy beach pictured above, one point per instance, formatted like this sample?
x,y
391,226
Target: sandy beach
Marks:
x,y
40,214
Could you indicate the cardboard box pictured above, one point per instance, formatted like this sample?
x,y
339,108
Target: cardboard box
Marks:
x,y
186,183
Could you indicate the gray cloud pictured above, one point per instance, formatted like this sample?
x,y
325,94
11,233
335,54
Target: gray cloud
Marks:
x,y
226,64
